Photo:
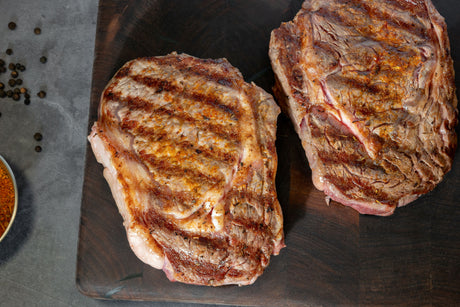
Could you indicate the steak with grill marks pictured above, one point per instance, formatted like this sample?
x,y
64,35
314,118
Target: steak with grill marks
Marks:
x,y
189,154
369,86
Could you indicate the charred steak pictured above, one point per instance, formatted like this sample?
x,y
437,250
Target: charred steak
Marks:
x,y
369,86
189,154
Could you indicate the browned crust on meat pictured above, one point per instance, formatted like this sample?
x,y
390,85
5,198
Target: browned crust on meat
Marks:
x,y
193,146
370,90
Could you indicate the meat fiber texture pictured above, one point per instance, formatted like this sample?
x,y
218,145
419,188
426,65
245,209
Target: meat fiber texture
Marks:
x,y
369,86
188,150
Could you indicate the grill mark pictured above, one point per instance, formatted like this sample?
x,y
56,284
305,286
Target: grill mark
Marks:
x,y
123,72
348,21
196,262
264,200
170,198
416,7
167,169
218,130
364,86
161,192
347,183
261,202
250,225
352,159
152,218
156,135
189,267
233,246
201,68
210,99
212,153
289,59
137,103
380,95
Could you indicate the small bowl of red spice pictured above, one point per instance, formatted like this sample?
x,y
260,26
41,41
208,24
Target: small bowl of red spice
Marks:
x,y
8,198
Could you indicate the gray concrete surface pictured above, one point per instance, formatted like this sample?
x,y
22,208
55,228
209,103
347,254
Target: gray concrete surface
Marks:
x,y
38,257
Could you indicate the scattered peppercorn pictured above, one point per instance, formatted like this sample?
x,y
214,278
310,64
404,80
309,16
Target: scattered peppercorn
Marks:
x,y
27,101
2,94
43,59
38,148
11,66
18,81
37,31
41,94
22,68
2,86
17,91
26,95
23,90
16,96
14,74
38,136
12,82
2,69
2,63
9,51
12,25
9,93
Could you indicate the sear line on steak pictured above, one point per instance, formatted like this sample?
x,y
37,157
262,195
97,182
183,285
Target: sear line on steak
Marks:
x,y
188,150
369,86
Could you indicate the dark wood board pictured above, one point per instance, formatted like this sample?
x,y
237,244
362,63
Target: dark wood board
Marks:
x,y
333,254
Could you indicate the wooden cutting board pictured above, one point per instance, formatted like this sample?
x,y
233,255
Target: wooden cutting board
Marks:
x,y
333,254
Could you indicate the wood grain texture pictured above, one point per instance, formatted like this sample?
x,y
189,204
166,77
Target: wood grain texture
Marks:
x,y
333,255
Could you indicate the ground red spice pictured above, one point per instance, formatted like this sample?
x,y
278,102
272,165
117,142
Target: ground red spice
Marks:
x,y
6,198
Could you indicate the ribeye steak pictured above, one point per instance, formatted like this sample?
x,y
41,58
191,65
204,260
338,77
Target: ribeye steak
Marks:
x,y
369,86
189,154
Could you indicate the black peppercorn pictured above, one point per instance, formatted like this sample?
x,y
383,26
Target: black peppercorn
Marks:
x,y
2,63
16,96
9,93
2,86
12,82
37,31
26,95
9,51
38,136
17,91
43,59
38,148
11,66
23,90
22,68
14,74
2,94
2,69
18,81
12,26
27,101
41,94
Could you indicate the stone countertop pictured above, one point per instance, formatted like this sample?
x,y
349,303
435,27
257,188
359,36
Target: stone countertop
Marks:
x,y
38,257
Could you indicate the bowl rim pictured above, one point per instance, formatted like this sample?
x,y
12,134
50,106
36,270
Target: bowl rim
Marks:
x,y
15,207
